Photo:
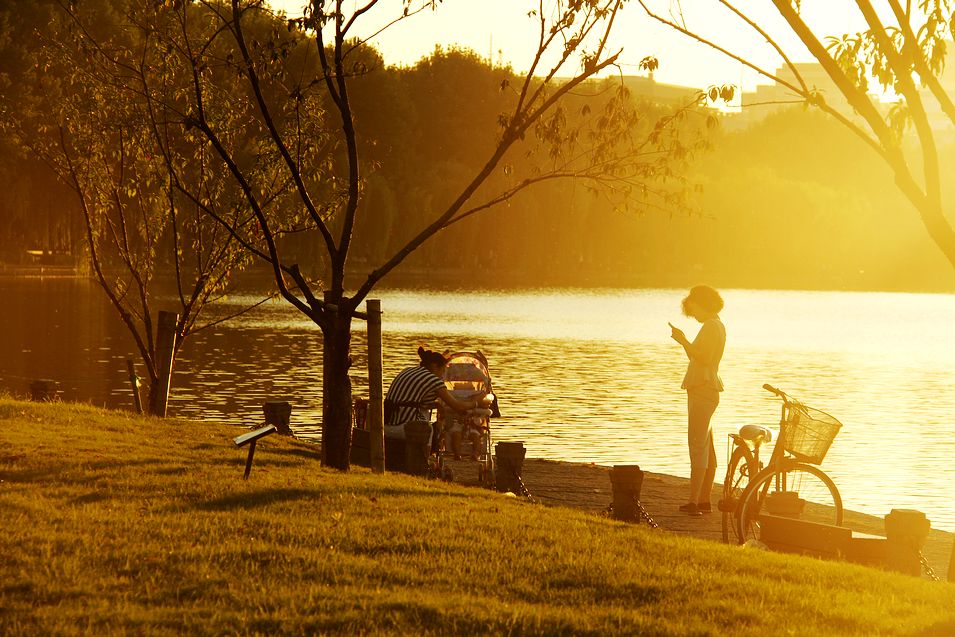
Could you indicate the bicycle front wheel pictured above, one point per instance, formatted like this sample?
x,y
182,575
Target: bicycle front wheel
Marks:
x,y
794,490
739,472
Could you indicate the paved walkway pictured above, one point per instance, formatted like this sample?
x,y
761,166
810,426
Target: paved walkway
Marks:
x,y
587,486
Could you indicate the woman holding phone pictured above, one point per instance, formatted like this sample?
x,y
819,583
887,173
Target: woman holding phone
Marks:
x,y
703,386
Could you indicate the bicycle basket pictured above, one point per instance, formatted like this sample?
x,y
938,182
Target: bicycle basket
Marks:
x,y
808,433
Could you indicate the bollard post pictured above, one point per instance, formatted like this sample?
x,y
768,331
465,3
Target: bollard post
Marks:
x,y
510,463
417,447
165,352
905,532
376,412
134,383
278,413
44,390
626,481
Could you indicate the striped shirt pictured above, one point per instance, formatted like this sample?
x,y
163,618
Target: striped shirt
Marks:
x,y
413,385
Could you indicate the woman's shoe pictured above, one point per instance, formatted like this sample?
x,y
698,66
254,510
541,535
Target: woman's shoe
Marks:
x,y
691,509
704,507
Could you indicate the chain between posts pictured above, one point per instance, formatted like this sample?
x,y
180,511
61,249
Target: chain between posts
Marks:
x,y
646,516
524,491
928,568
641,511
515,475
520,483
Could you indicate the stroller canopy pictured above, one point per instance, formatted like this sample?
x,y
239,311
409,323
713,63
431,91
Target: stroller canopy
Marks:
x,y
467,370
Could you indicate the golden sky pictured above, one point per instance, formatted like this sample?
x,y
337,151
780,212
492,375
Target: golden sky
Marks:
x,y
503,27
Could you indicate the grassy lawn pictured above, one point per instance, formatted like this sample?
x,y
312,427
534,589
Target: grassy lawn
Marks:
x,y
116,524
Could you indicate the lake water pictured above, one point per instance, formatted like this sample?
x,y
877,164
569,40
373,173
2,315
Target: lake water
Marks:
x,y
581,375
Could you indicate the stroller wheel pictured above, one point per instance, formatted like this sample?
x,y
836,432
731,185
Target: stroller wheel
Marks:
x,y
435,467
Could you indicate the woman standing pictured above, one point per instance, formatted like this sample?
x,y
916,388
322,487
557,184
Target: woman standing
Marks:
x,y
703,386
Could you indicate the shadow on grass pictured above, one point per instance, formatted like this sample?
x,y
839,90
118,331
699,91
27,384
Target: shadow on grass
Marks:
x,y
266,462
239,501
173,471
80,473
90,498
10,508
403,493
297,452
943,629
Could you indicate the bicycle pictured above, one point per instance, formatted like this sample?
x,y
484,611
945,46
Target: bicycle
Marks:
x,y
789,485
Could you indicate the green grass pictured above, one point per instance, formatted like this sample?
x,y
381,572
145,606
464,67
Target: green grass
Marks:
x,y
116,524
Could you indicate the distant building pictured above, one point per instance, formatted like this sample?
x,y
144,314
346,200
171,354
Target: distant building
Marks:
x,y
652,91
768,98
939,121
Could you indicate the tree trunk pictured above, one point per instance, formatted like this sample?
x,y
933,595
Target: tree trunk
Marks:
x,y
154,388
167,327
337,396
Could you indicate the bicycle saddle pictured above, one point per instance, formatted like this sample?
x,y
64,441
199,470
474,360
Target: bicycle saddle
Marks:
x,y
755,433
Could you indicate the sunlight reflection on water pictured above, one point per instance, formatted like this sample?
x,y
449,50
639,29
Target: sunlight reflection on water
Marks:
x,y
592,376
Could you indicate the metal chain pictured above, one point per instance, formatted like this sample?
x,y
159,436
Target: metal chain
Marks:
x,y
928,569
646,516
641,511
515,476
524,492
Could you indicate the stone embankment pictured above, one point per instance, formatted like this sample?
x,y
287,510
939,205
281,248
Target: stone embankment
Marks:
x,y
587,487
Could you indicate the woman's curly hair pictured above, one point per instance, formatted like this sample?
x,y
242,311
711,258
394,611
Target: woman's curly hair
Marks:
x,y
705,297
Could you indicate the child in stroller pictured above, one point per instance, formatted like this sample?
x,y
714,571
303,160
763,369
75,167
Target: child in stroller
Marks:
x,y
466,377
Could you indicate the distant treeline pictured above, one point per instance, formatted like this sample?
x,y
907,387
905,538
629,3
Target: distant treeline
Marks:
x,y
794,201
799,201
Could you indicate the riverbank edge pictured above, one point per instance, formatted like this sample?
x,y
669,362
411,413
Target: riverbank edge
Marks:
x,y
586,486
449,279
130,525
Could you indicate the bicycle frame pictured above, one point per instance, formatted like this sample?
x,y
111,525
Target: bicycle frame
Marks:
x,y
748,486
737,440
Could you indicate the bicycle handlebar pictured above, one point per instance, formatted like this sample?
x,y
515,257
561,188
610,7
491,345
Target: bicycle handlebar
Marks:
x,y
787,399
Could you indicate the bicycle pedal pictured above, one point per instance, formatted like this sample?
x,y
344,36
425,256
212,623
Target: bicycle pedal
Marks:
x,y
727,506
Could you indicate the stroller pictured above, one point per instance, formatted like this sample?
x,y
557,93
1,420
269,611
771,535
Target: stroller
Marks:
x,y
469,434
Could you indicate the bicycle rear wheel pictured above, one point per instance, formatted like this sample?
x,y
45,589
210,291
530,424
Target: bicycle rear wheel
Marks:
x,y
740,470
795,490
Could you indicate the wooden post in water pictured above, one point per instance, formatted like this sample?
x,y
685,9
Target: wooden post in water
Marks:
x,y
376,409
165,348
134,383
44,390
